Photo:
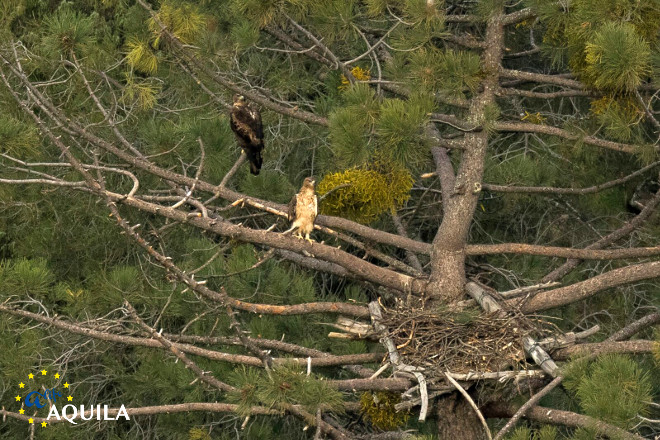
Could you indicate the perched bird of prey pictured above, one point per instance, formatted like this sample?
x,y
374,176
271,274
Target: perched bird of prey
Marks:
x,y
303,209
246,124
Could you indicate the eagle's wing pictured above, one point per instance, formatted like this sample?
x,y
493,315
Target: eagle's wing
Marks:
x,y
257,126
292,208
241,123
316,206
246,124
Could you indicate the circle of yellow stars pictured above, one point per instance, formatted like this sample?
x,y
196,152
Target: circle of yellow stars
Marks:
x,y
21,385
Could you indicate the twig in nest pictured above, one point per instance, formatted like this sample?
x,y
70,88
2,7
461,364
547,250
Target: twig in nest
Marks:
x,y
471,402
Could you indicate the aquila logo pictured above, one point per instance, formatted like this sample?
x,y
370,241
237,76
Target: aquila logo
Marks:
x,y
47,399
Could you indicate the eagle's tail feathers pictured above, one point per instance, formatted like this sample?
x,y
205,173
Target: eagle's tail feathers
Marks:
x,y
255,161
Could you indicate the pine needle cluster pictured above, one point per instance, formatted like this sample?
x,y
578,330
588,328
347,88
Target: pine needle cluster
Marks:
x,y
351,125
617,59
620,115
424,22
17,138
262,12
524,433
198,434
182,19
140,56
365,129
613,388
25,277
282,386
451,73
143,92
606,43
68,31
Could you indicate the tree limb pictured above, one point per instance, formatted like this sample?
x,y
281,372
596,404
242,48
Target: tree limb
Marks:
x,y
559,417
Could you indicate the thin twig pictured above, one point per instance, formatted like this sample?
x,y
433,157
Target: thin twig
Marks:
x,y
471,402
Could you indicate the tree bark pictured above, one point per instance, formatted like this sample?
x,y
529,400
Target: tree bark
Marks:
x,y
448,254
457,419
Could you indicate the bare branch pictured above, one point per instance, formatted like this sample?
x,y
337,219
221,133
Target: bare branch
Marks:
x,y
202,375
542,78
559,417
624,230
326,360
584,289
556,131
635,327
194,61
572,191
598,348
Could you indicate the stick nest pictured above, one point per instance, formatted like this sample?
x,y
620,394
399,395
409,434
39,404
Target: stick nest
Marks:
x,y
459,342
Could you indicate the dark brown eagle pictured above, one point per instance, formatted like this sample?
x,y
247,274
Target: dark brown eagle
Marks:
x,y
303,209
245,122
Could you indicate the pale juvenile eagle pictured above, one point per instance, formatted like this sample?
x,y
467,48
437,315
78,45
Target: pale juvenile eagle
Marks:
x,y
246,124
303,209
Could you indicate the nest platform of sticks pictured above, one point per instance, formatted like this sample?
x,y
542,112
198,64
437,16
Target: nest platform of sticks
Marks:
x,y
467,341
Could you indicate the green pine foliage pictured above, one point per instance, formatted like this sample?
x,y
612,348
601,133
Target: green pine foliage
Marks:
x,y
142,92
140,56
60,252
524,433
198,434
613,388
619,115
352,125
282,386
18,138
424,22
257,11
399,130
617,58
183,19
452,73
245,34
486,8
26,278
365,129
606,43
68,31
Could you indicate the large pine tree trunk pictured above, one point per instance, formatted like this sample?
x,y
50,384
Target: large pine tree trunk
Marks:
x,y
457,420
448,256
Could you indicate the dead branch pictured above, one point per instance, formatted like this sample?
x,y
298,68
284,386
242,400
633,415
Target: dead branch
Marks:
x,y
201,374
572,191
584,289
559,417
635,327
598,348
